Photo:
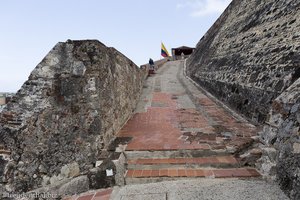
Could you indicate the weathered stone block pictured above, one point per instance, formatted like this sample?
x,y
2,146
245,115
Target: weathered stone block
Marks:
x,y
287,144
98,176
120,164
296,148
3,163
70,170
75,186
271,153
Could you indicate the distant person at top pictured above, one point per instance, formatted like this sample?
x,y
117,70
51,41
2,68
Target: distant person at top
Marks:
x,y
151,62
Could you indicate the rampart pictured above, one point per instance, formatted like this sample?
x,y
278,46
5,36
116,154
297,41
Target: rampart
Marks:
x,y
63,118
250,60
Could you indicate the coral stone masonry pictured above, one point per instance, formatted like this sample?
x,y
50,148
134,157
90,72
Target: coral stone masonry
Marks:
x,y
250,60
62,118
250,55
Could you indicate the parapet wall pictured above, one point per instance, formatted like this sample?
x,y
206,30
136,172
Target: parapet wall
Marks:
x,y
157,63
68,111
250,55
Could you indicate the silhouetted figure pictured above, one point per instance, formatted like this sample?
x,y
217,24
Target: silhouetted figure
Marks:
x,y
151,68
151,62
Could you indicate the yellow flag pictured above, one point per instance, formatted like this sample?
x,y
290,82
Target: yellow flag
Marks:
x,y
164,51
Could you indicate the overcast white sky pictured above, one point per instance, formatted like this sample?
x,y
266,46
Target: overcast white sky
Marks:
x,y
29,29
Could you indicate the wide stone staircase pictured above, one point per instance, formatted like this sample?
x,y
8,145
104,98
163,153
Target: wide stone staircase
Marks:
x,y
144,167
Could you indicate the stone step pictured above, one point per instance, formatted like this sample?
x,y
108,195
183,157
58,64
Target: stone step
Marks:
x,y
186,153
160,163
133,176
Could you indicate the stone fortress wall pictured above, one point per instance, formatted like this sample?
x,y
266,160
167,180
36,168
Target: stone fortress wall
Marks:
x,y
281,136
65,115
250,55
249,58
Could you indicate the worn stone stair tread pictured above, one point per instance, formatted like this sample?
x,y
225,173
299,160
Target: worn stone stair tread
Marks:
x,y
133,155
187,172
160,163
200,160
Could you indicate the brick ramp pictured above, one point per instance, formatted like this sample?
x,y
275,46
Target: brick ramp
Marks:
x,y
182,133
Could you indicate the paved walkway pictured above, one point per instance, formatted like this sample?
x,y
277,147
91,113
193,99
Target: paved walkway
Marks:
x,y
173,114
177,131
188,142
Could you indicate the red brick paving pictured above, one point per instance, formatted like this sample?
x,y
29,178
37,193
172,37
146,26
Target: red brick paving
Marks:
x,y
129,173
160,128
155,173
201,160
223,173
254,172
163,172
181,172
190,173
217,173
104,192
173,172
199,173
164,127
105,197
87,197
146,173
164,98
137,173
